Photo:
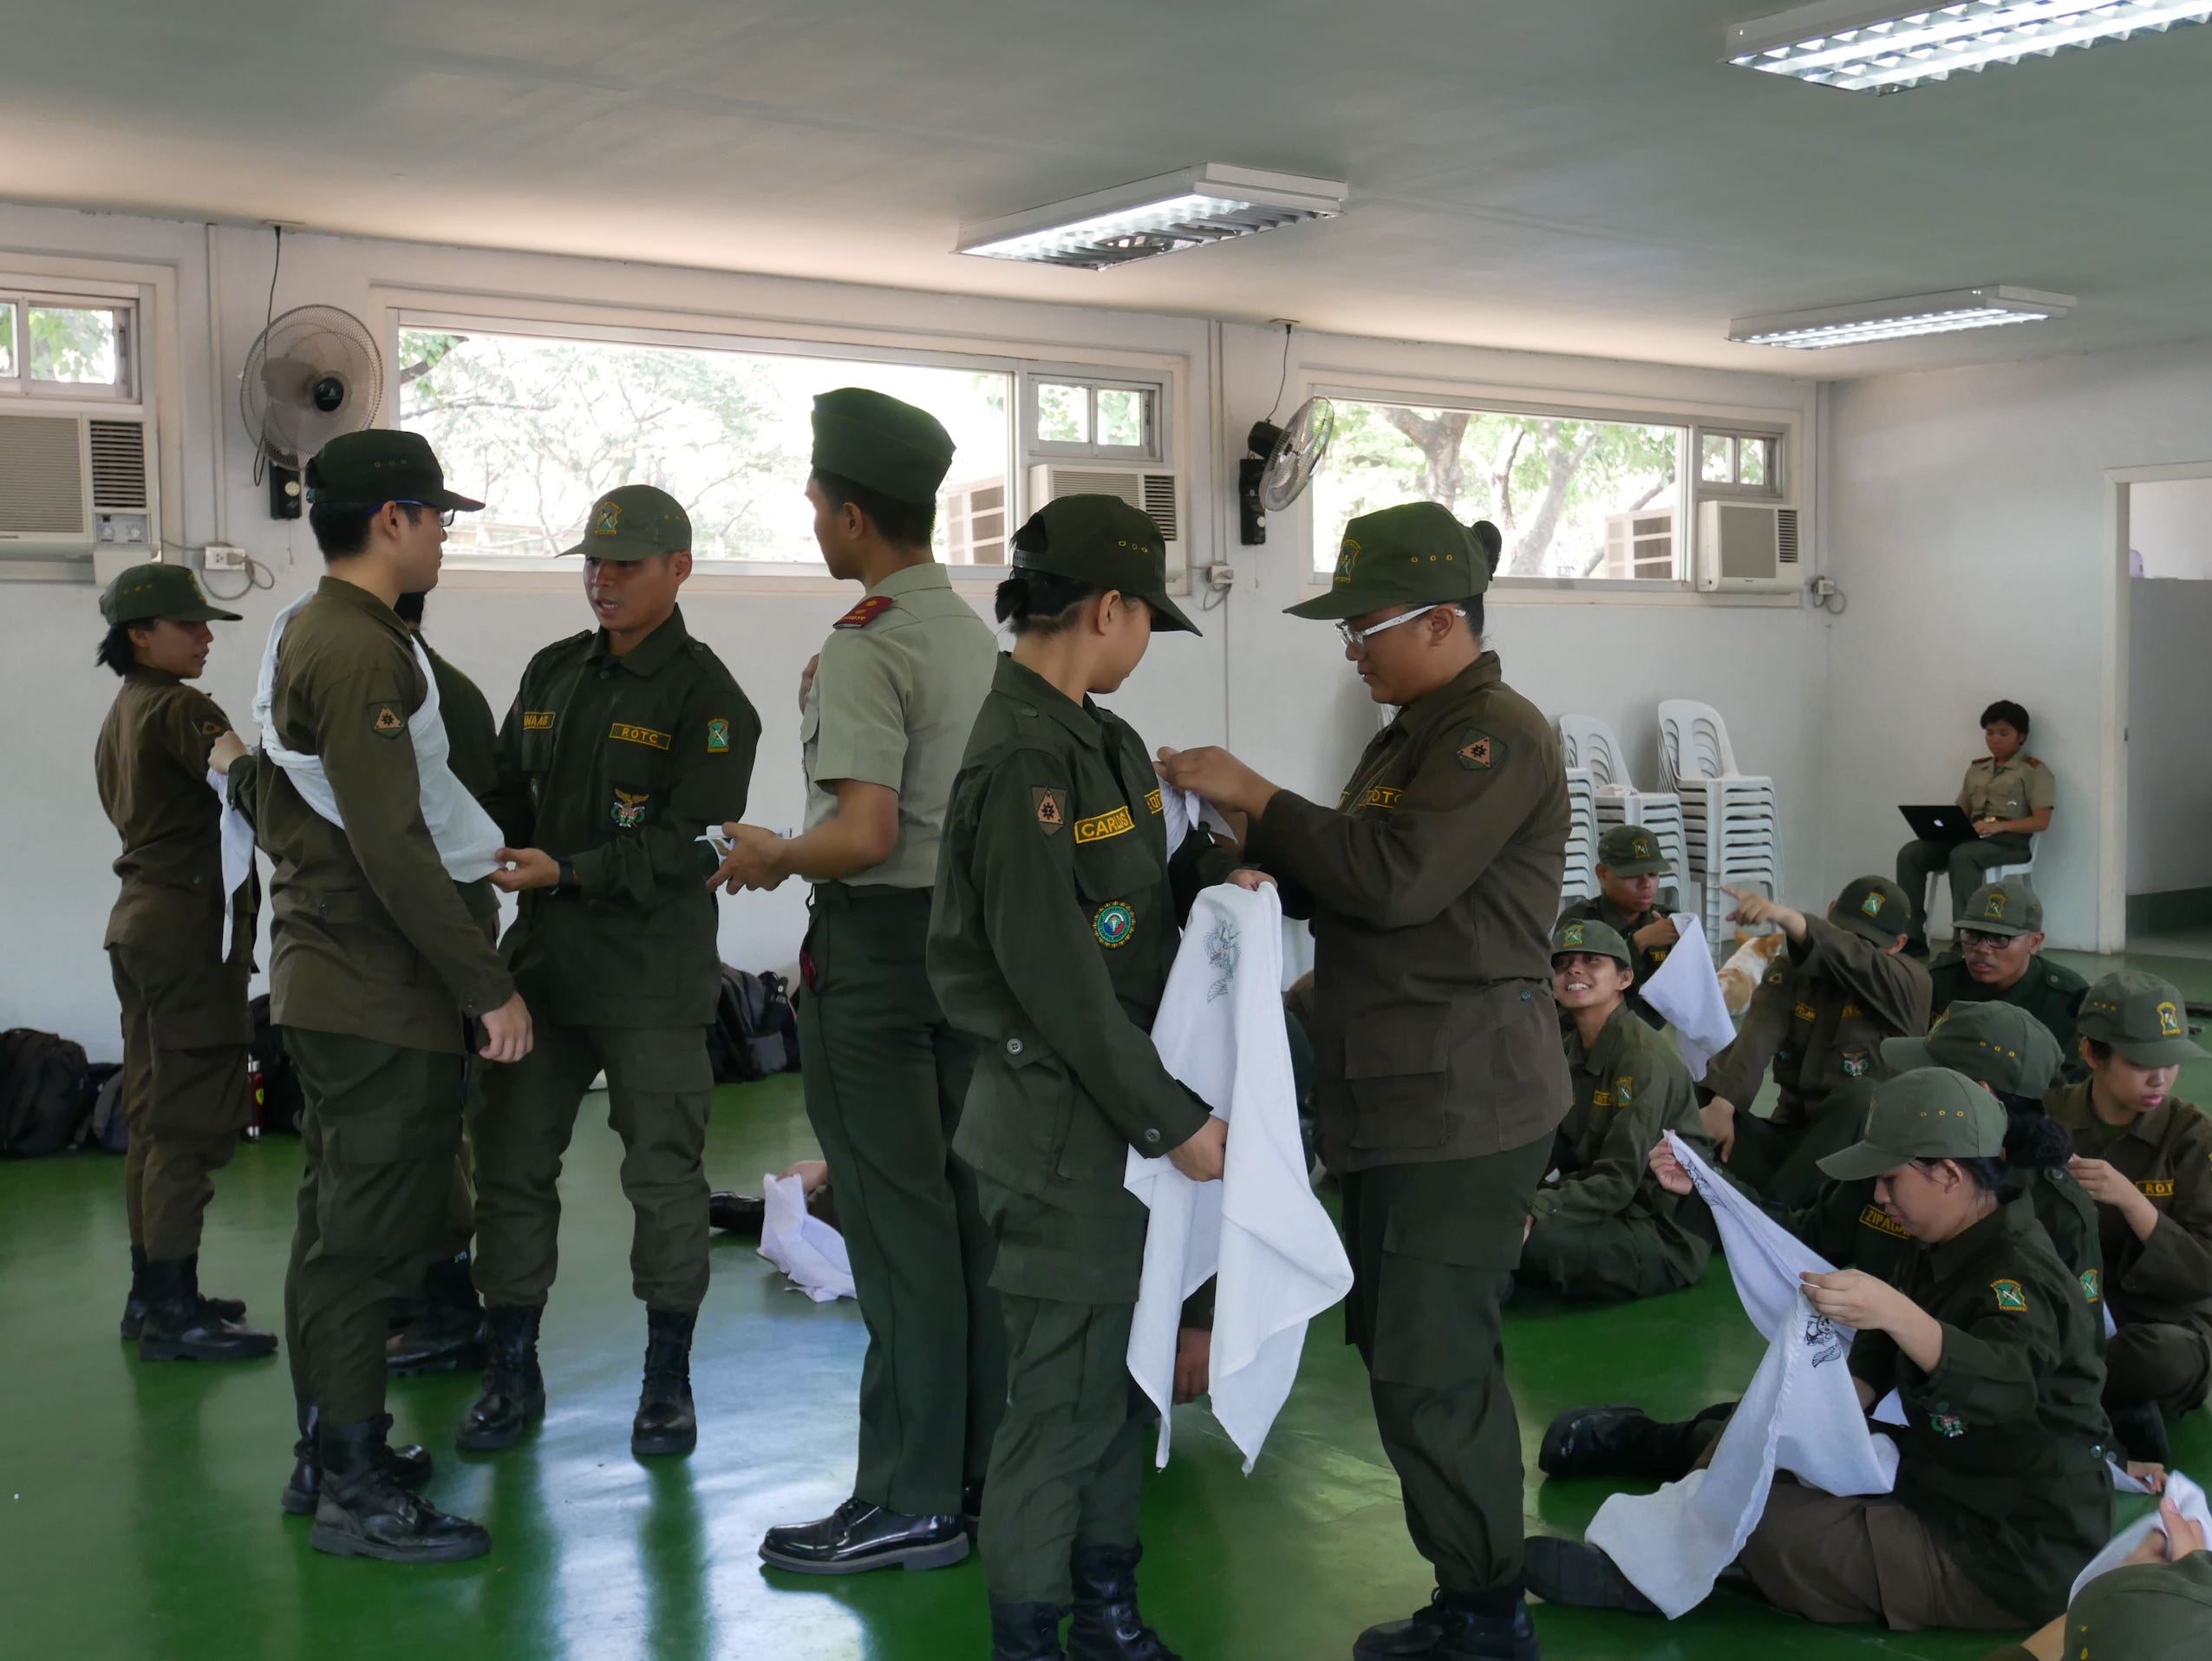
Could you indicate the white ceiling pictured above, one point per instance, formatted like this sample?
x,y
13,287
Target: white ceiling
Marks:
x,y
1571,175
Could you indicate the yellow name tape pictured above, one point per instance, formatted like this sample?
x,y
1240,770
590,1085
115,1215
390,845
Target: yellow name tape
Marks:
x,y
645,735
1104,825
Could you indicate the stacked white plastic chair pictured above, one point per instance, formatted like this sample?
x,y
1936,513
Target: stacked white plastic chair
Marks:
x,y
1588,743
1580,881
1731,818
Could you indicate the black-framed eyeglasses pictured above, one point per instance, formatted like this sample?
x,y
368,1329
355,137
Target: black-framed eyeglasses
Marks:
x,y
1975,939
444,514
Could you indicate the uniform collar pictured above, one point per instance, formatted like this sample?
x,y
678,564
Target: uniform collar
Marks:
x,y
1958,1253
1431,706
353,594
140,675
1624,921
1599,1057
2078,1112
646,658
912,579
1039,696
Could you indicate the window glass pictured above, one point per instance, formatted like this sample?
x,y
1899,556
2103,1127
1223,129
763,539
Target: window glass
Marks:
x,y
75,345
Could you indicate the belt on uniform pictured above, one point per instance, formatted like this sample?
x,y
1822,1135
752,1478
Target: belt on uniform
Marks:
x,y
847,895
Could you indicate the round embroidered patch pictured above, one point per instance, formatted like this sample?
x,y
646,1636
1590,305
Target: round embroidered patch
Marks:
x,y
1114,924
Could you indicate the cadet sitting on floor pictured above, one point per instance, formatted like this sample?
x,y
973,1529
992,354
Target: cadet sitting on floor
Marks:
x,y
2156,1606
1631,872
1999,958
1603,1227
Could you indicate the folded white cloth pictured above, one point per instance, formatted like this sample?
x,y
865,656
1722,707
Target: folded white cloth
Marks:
x,y
468,841
2185,1494
1801,1415
800,1244
238,851
1185,810
1686,991
1278,1260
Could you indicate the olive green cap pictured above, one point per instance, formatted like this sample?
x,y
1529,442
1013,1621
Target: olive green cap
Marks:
x,y
2141,1016
150,593
369,468
1631,851
881,444
1413,554
1588,934
2008,907
1930,1112
1873,908
1103,541
634,523
2143,1611
2000,1044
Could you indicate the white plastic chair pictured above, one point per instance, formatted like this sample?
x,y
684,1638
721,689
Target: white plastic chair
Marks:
x,y
1938,881
1694,740
1588,743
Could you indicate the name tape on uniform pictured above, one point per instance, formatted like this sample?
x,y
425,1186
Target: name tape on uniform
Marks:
x,y
1101,825
650,737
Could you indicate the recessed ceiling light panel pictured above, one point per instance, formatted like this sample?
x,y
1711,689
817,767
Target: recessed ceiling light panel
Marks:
x,y
1899,319
1186,209
1888,47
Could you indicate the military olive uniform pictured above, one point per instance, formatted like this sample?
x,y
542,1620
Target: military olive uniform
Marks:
x,y
612,765
2161,1289
1606,1229
186,1020
892,704
2144,1612
1598,909
2007,791
2049,992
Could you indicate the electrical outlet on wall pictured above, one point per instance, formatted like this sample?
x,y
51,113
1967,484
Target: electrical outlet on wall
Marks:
x,y
222,556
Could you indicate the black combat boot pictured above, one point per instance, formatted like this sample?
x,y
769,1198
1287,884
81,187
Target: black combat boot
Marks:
x,y
360,1512
1576,1573
1026,1632
514,1391
1107,1626
665,1422
134,1321
444,1330
1624,1442
178,1326
736,1213
223,1308
407,1467
1456,1626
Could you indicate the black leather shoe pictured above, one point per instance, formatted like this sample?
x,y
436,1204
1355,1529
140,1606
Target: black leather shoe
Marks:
x,y
1107,1625
513,1396
737,1213
178,1326
1621,1442
1577,1574
665,1422
362,1513
407,1467
1026,1632
858,1537
134,1321
444,1329
1449,1630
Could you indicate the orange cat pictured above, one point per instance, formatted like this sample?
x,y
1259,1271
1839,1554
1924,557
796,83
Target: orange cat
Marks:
x,y
1741,974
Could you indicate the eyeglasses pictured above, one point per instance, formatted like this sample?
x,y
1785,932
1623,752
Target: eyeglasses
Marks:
x,y
1357,638
1974,939
444,514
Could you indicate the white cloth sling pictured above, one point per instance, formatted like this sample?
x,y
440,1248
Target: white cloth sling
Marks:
x,y
1278,1260
237,851
1686,991
800,1244
1800,1414
467,839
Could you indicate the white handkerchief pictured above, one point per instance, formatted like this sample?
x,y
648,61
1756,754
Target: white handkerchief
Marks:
x,y
1687,992
2184,1493
802,1244
237,851
1184,809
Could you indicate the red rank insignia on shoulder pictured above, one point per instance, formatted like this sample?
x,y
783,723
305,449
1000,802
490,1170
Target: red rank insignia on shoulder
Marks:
x,y
864,613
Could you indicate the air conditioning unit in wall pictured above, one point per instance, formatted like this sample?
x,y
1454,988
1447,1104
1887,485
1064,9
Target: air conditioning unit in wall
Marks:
x,y
1748,548
1157,491
72,486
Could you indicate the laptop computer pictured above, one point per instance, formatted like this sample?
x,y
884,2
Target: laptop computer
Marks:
x,y
1947,824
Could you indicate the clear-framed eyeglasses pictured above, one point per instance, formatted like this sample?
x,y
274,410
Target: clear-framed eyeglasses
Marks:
x,y
1357,638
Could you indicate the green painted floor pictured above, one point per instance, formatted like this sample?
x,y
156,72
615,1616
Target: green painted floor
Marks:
x,y
138,1504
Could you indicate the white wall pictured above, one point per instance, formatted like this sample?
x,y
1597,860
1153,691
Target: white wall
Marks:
x,y
2169,786
2170,525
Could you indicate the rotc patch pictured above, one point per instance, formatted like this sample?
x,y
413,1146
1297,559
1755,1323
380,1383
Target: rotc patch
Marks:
x,y
210,729
629,808
386,721
717,736
1052,808
2170,1021
1346,558
2092,1288
650,737
606,519
1114,924
536,721
1882,1223
1571,935
1477,750
1152,801
1993,909
1600,1098
1947,1424
2010,1298
2158,1188
1622,1091
1872,904
866,612
1099,827
1381,797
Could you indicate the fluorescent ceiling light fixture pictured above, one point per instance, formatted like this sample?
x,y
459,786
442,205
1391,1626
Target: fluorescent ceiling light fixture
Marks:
x,y
1911,314
1886,48
1188,209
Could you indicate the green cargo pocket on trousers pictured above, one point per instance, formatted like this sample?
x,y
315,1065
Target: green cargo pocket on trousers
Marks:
x,y
1104,1274
384,1180
1441,1283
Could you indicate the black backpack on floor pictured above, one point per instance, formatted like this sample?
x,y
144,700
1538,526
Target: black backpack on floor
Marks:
x,y
45,1094
281,1100
755,1031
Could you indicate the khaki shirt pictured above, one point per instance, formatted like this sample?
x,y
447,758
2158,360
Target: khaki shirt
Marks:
x,y
2168,1154
1432,886
893,701
2018,788
372,936
2001,1455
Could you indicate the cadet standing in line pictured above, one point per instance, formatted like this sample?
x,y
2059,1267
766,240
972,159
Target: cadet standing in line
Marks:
x,y
1440,1077
1055,922
623,744
186,1020
1606,1229
2145,1156
888,711
1631,869
2008,795
376,963
1999,959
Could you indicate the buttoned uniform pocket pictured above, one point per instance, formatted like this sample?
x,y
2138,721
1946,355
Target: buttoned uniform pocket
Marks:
x,y
1118,882
386,1168
1019,1100
1394,1066
357,924
634,763
1439,1284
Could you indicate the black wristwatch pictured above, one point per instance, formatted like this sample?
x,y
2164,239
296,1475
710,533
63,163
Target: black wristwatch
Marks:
x,y
569,881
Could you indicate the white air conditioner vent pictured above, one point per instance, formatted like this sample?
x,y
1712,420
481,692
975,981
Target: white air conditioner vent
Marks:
x,y
41,477
70,484
1748,547
1155,491
118,463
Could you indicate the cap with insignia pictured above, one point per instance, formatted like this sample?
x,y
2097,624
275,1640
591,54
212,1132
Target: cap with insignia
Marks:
x,y
2008,907
2000,1044
152,593
1103,541
1588,934
1930,1112
369,468
1413,554
1631,851
634,523
2143,1611
880,444
2142,1016
1874,908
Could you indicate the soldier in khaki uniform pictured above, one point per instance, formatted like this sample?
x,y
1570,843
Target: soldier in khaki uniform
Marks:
x,y
1055,924
2000,958
2008,794
185,1021
2002,1494
887,715
1606,1229
1440,1077
2145,1156
376,963
1631,871
625,742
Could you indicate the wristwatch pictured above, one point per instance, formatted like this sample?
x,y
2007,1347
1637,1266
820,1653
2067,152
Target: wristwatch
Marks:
x,y
569,882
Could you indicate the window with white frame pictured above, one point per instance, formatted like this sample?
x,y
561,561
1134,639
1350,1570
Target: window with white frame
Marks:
x,y
64,346
1739,462
1077,415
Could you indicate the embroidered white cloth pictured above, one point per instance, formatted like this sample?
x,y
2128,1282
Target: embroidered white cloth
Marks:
x,y
2186,1494
238,851
1277,1257
800,1244
1686,991
467,839
1800,1414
